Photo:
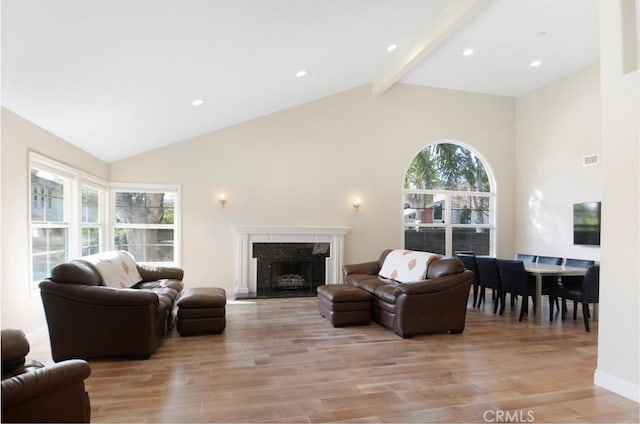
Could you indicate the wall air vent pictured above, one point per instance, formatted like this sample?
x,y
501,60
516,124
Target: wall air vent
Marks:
x,y
590,160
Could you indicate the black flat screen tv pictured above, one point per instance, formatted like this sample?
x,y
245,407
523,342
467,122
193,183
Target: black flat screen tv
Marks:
x,y
586,223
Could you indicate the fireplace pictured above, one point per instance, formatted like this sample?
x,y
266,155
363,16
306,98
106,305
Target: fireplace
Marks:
x,y
289,269
282,261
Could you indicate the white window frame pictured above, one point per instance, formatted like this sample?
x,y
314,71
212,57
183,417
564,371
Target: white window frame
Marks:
x,y
448,224
102,208
176,226
74,179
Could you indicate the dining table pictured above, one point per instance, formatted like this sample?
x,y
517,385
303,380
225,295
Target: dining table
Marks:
x,y
540,270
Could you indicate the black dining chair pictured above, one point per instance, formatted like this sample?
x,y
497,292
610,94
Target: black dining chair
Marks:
x,y
468,259
587,293
489,279
524,257
579,263
551,260
517,282
574,281
548,281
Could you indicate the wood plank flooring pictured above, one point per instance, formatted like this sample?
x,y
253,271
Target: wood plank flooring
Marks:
x,y
280,361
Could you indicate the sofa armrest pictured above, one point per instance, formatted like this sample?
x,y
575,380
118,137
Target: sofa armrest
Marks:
x,y
371,268
38,383
100,295
15,348
152,273
434,285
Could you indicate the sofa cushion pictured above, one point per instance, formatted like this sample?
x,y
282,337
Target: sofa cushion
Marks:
x,y
176,285
117,268
406,266
386,293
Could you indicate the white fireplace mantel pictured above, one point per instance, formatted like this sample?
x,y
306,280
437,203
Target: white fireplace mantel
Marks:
x,y
249,234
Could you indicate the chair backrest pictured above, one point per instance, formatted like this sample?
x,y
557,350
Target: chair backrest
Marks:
x,y
591,285
578,263
488,272
513,275
469,261
525,257
551,260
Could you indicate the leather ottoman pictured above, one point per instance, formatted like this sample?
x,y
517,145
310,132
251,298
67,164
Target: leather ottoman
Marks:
x,y
201,311
344,305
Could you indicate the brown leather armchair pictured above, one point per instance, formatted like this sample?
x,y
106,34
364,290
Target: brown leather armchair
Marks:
x,y
32,392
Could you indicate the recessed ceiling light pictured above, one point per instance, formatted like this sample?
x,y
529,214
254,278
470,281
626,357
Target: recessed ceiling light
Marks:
x,y
392,47
197,102
467,52
535,64
301,73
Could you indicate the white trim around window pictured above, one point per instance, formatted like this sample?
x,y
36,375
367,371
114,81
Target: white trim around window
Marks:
x,y
55,214
170,244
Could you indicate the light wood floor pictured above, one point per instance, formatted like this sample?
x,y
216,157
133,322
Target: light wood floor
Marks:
x,y
280,361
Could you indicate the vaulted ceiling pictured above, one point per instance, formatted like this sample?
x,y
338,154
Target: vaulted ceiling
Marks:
x,y
118,77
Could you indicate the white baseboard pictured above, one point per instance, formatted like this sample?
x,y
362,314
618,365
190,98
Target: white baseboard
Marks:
x,y
617,385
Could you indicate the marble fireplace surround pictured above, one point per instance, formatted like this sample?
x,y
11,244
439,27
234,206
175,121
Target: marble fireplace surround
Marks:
x,y
246,268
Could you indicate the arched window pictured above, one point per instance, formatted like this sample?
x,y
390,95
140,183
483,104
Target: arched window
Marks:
x,y
448,201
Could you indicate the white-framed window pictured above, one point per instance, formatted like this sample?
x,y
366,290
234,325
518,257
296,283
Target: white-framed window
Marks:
x,y
50,220
449,203
91,218
146,222
65,205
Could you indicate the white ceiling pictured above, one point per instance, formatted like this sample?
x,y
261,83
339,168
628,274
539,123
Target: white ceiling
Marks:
x,y
117,77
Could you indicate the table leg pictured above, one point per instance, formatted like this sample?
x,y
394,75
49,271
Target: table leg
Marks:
x,y
538,312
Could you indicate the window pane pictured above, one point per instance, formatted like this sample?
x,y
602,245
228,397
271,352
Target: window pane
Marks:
x,y
40,268
468,209
423,208
47,197
144,208
474,239
146,245
425,239
90,205
49,239
57,239
49,248
90,241
447,166
39,240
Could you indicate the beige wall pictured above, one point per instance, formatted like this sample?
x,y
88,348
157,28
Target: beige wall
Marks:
x,y
619,323
22,308
557,126
302,166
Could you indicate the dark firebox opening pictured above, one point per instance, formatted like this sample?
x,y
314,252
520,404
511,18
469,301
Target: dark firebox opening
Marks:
x,y
290,269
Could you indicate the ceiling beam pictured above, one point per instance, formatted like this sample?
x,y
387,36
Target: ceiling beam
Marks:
x,y
446,24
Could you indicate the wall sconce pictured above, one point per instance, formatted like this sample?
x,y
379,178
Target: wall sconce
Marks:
x,y
222,199
356,203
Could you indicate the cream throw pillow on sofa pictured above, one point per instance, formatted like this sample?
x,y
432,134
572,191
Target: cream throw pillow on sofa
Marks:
x,y
117,268
406,266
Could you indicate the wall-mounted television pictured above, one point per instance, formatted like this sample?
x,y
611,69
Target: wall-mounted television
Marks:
x,y
586,223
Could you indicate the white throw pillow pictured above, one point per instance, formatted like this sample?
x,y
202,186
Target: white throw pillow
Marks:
x,y
406,266
117,268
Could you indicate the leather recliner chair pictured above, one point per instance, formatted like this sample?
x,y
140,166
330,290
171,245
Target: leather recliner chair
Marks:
x,y
32,392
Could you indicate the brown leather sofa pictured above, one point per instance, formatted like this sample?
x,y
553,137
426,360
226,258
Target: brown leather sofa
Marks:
x,y
32,392
86,319
436,304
